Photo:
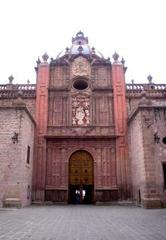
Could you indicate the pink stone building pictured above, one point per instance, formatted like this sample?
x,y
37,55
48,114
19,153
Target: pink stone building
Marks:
x,y
81,134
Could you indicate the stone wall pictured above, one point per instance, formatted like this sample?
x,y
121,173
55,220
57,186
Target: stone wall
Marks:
x,y
148,153
133,102
30,104
136,156
153,121
15,173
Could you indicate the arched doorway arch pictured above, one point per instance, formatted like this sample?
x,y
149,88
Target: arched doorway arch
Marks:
x,y
81,178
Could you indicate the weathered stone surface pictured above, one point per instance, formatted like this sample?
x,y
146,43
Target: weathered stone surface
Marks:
x,y
15,173
147,155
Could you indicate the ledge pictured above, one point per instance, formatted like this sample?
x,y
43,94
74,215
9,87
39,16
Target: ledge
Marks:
x,y
19,107
141,108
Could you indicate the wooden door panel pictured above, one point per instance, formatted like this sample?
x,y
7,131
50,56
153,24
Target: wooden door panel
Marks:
x,y
81,168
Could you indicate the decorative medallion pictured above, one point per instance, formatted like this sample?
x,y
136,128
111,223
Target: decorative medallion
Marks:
x,y
80,111
80,67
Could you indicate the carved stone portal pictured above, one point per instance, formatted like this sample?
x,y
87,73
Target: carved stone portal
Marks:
x,y
80,111
80,67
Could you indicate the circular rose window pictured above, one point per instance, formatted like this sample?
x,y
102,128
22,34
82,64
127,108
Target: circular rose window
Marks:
x,y
164,140
80,84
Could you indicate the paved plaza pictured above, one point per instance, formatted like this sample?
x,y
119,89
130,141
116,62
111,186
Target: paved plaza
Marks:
x,y
82,223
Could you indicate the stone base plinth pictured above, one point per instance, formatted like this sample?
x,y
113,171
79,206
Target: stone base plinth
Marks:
x,y
12,202
151,203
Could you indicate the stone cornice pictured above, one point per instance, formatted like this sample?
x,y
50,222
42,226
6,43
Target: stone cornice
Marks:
x,y
19,107
141,108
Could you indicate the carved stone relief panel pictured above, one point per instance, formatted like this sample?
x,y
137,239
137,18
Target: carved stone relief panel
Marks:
x,y
80,67
80,111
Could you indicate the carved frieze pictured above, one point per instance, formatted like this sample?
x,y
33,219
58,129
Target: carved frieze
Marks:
x,y
75,131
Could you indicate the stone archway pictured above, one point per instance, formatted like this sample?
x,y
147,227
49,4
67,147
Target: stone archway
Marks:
x,y
81,178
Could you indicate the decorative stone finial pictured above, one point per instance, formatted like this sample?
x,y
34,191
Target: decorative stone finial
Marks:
x,y
28,81
67,50
115,56
93,50
80,38
80,49
45,57
149,78
123,61
11,78
132,81
38,61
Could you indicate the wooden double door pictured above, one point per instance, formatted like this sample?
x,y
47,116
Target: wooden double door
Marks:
x,y
81,178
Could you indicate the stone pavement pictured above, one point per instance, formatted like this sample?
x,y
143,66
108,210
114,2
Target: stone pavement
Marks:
x,y
82,223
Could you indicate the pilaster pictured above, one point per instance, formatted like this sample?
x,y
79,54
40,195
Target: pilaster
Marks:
x,y
120,118
41,130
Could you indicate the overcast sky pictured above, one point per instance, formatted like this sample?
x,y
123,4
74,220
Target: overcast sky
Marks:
x,y
136,29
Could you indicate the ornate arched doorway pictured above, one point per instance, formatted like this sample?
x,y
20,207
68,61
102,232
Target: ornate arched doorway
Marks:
x,y
81,178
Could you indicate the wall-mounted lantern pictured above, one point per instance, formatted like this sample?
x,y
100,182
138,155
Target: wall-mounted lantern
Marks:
x,y
15,138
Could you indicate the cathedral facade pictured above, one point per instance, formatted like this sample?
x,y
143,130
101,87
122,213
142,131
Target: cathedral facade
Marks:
x,y
81,135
